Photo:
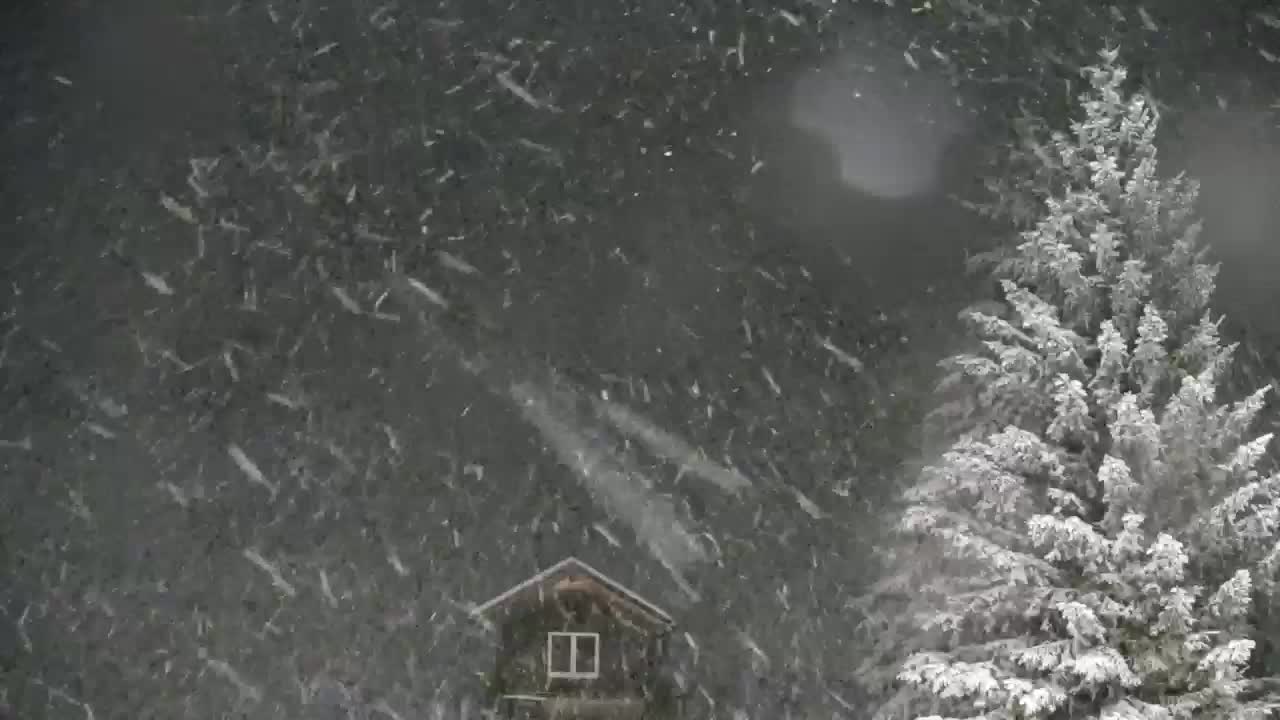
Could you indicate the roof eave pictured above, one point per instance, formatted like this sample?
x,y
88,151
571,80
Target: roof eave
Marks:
x,y
660,616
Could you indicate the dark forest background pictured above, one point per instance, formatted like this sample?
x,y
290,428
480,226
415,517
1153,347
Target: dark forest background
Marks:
x,y
320,322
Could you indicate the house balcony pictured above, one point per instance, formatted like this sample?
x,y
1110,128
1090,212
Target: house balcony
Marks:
x,y
547,706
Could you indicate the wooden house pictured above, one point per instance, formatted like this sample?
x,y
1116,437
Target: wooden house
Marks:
x,y
574,643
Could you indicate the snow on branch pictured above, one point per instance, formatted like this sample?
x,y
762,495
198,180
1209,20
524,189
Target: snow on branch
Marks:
x,y
1094,547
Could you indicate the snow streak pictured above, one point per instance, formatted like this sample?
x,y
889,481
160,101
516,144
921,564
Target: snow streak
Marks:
x,y
613,481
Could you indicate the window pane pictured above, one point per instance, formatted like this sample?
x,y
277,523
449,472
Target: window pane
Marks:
x,y
560,653
587,654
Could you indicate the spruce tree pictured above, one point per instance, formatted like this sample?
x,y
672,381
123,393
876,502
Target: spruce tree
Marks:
x,y
1094,540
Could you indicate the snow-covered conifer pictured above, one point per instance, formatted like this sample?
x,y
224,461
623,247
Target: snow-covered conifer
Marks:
x,y
1092,545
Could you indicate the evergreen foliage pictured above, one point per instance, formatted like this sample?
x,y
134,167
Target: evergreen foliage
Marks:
x,y
1094,540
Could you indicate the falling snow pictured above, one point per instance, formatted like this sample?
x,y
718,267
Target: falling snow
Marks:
x,y
324,323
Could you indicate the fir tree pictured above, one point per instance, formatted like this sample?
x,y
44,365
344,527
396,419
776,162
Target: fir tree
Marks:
x,y
1094,540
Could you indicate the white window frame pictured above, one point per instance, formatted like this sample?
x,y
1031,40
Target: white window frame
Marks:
x,y
573,673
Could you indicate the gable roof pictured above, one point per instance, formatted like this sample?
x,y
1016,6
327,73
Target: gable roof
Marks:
x,y
565,569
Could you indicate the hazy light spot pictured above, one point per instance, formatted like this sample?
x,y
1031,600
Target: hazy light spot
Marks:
x,y
889,126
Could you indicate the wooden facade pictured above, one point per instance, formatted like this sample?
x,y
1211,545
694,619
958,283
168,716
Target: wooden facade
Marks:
x,y
572,643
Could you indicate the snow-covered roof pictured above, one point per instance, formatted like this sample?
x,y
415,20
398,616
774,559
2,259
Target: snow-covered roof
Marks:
x,y
570,567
